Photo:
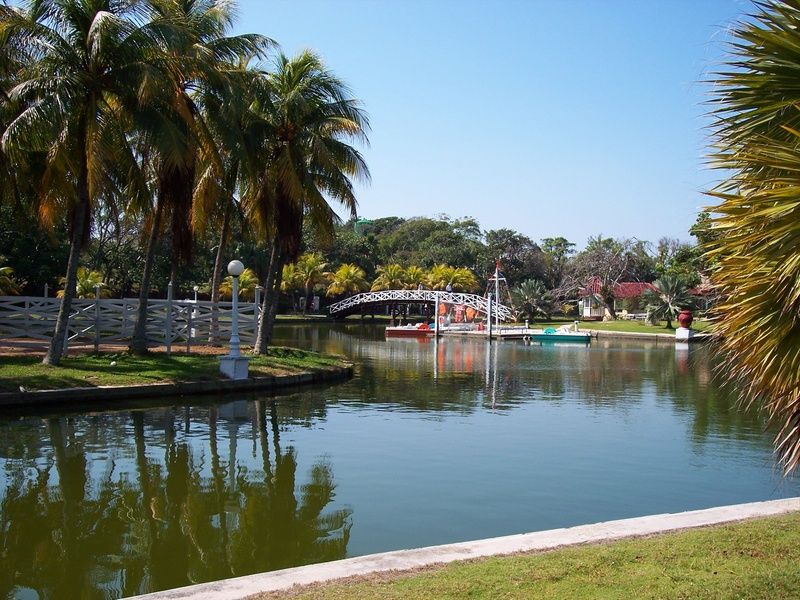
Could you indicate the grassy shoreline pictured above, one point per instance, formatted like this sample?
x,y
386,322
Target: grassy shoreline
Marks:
x,y
746,560
107,368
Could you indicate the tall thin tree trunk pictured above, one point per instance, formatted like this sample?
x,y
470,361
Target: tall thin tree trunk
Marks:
x,y
139,340
260,346
79,217
273,311
216,278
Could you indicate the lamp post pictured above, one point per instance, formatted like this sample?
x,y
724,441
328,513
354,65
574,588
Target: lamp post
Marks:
x,y
196,289
234,365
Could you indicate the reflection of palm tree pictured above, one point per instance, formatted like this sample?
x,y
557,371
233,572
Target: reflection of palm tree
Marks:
x,y
275,527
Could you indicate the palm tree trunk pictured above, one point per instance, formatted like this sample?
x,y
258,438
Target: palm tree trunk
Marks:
x,y
79,218
273,311
261,344
139,340
216,278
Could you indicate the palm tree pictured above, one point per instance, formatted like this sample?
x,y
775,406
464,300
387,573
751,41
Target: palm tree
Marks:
x,y
248,281
291,282
8,286
348,279
415,275
88,283
174,137
311,272
756,259
531,298
390,277
86,60
459,279
310,116
668,296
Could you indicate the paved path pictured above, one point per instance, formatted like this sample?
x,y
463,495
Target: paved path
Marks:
x,y
241,587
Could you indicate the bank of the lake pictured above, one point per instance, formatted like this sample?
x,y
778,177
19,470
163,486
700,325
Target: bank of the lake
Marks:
x,y
746,560
119,375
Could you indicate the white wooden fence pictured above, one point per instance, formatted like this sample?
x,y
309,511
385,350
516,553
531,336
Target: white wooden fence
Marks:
x,y
101,321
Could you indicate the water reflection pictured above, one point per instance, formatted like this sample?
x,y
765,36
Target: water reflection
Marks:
x,y
86,515
431,443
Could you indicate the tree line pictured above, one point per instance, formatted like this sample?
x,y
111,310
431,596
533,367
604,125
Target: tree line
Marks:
x,y
133,132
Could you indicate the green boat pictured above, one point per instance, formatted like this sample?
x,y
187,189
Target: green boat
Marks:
x,y
550,336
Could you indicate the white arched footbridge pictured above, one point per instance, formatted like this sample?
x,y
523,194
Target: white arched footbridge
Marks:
x,y
388,297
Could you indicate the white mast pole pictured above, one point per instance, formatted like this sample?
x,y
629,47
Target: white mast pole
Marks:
x,y
497,292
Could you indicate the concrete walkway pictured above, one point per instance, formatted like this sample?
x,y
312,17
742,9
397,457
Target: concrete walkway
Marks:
x,y
241,587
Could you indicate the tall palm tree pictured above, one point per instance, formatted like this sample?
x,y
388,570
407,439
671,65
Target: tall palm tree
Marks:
x,y
310,269
668,296
348,279
756,258
201,62
87,59
311,118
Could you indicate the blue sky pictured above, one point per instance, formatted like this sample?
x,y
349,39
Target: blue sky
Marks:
x,y
571,118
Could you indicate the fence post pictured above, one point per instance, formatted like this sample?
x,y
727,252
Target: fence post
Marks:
x,y
46,289
189,330
96,319
256,307
168,327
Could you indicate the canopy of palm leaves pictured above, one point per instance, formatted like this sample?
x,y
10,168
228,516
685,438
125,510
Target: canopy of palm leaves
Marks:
x,y
309,116
248,281
460,279
390,277
291,278
310,269
348,279
669,297
88,282
756,257
531,299
8,286
415,275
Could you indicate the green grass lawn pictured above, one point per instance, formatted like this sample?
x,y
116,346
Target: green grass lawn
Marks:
x,y
96,369
753,559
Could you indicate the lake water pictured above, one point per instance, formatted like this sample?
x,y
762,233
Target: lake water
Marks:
x,y
428,444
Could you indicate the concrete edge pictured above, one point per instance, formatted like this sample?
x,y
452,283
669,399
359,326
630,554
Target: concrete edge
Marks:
x,y
657,337
403,560
190,388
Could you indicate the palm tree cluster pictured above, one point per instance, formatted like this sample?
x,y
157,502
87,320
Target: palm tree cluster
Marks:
x,y
153,111
310,273
757,224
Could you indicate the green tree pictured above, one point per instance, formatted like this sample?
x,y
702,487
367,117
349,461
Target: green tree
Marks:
x,y
8,285
87,285
390,277
348,279
310,116
248,281
531,298
85,61
755,260
669,296
199,60
311,272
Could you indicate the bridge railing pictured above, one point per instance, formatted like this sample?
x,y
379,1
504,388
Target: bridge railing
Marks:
x,y
479,303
